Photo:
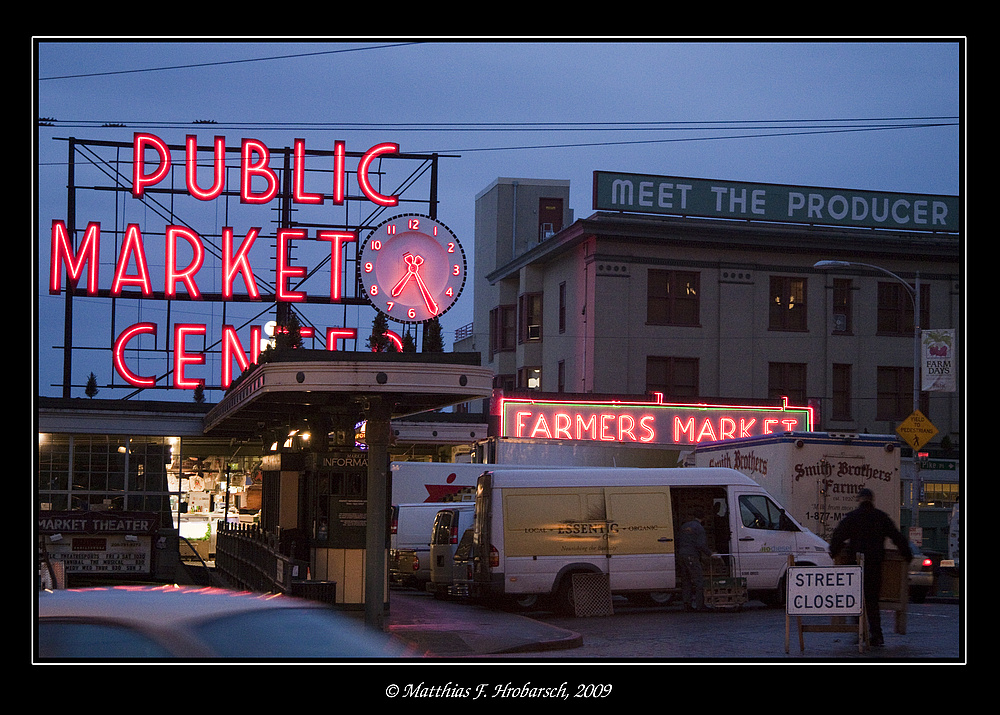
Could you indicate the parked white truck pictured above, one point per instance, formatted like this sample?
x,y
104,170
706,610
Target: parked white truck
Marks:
x,y
815,475
535,529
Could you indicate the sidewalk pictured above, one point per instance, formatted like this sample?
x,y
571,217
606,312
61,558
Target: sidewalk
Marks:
x,y
450,629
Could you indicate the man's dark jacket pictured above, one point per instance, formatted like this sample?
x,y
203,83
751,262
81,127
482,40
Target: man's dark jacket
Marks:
x,y
864,531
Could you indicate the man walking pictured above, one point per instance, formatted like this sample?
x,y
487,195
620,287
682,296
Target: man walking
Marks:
x,y
864,531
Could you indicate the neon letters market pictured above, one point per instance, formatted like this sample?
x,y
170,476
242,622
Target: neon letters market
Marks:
x,y
651,423
258,185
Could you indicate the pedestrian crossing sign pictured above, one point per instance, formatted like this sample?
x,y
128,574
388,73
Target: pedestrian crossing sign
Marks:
x,y
916,430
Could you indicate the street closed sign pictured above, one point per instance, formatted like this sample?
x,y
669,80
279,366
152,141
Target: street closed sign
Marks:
x,y
820,591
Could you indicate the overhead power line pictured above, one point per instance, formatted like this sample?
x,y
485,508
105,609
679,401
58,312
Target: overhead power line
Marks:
x,y
226,62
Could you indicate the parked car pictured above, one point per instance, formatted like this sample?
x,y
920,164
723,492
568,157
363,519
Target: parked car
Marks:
x,y
404,567
921,575
136,622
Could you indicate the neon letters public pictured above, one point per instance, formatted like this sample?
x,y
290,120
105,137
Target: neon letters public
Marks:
x,y
258,184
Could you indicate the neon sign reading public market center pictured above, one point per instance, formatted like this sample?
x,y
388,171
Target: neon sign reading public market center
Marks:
x,y
258,185
646,423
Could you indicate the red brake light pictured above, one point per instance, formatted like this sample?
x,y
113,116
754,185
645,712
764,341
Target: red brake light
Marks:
x,y
926,563
454,534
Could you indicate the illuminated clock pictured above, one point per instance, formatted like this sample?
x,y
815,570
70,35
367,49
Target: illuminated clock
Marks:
x,y
412,268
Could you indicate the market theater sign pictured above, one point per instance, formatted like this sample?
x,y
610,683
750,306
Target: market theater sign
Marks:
x,y
650,423
258,184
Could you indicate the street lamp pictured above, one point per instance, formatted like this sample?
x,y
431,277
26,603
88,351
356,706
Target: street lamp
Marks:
x,y
914,293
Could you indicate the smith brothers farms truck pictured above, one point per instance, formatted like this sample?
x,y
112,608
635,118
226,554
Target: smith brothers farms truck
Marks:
x,y
815,475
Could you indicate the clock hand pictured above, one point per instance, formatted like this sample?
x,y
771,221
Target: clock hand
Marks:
x,y
428,300
413,264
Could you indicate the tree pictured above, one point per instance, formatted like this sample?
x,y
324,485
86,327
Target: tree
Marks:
x,y
433,342
409,343
91,389
199,394
378,341
290,335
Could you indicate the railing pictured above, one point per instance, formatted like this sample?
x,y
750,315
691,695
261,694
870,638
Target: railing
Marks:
x,y
250,558
463,332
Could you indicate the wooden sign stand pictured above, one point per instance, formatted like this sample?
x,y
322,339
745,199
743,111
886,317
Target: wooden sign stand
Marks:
x,y
837,623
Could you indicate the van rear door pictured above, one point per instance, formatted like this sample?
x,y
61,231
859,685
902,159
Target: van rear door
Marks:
x,y
444,539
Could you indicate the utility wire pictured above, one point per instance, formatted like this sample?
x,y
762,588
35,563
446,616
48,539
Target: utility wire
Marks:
x,y
226,62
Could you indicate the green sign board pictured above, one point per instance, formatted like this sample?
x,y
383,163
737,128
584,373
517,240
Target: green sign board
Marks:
x,y
708,198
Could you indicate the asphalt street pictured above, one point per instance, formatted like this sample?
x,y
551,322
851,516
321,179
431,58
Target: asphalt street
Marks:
x,y
934,631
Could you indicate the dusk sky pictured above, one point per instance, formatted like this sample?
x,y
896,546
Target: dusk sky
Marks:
x,y
872,115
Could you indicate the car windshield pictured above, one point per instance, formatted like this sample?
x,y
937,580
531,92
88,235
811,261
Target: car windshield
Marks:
x,y
291,633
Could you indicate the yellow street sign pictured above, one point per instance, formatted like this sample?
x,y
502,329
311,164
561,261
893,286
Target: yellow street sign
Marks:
x,y
916,430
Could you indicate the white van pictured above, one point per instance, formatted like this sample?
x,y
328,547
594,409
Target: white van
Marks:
x,y
410,540
534,529
449,526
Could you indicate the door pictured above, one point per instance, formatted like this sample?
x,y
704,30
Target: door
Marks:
x,y
444,538
764,539
640,538
550,217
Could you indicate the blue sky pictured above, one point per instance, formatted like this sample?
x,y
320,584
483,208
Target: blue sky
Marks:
x,y
770,112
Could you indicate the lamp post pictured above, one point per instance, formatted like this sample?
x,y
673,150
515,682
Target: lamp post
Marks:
x,y
914,293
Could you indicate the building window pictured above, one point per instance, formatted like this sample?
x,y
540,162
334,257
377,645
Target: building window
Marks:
x,y
504,383
503,329
529,378
106,472
895,309
841,392
787,379
562,307
672,298
530,316
676,378
561,377
788,303
894,399
843,305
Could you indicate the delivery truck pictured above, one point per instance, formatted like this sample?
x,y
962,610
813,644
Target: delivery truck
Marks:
x,y
413,482
535,529
815,475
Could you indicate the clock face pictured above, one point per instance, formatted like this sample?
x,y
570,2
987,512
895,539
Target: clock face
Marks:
x,y
412,268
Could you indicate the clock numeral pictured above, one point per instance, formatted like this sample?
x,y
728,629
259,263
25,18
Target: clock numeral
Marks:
x,y
451,247
450,292
369,267
413,224
373,290
389,305
376,245
456,270
411,313
390,229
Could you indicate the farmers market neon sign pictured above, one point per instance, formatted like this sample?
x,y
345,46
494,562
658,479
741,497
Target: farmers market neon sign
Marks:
x,y
651,423
184,250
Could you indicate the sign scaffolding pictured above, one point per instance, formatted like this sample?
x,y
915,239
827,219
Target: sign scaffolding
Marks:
x,y
253,229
